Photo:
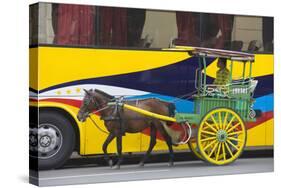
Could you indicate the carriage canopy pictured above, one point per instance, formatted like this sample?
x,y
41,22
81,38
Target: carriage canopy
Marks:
x,y
217,53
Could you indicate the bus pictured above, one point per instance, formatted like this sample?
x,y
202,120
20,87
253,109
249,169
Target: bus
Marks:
x,y
132,53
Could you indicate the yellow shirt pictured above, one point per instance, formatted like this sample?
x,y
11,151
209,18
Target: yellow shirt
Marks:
x,y
222,77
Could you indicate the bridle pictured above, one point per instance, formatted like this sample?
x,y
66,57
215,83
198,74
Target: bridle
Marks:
x,y
100,107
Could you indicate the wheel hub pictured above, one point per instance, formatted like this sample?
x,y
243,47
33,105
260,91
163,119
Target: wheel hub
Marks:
x,y
45,141
222,135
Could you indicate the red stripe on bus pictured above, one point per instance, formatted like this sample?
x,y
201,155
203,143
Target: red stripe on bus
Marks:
x,y
265,116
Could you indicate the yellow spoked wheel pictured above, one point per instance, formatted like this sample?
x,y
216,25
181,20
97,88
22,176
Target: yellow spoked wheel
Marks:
x,y
192,144
221,136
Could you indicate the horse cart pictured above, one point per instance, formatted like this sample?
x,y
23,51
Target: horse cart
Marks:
x,y
220,111
215,131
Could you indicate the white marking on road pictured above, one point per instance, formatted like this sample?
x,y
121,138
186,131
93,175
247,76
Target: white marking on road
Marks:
x,y
102,174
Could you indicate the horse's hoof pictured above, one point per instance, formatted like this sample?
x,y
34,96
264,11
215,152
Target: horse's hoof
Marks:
x,y
116,167
171,164
141,164
110,163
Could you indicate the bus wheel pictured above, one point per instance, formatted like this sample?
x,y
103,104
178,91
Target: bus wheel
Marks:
x,y
55,140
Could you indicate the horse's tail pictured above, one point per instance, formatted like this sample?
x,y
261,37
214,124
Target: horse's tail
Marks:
x,y
175,135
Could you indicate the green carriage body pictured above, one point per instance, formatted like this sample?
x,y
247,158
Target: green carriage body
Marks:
x,y
220,110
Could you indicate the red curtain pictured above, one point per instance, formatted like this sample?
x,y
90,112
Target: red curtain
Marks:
x,y
113,26
225,23
75,25
186,23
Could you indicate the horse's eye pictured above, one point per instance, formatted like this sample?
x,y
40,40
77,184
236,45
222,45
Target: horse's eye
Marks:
x,y
87,102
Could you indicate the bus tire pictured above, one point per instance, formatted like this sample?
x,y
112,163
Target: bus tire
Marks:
x,y
56,140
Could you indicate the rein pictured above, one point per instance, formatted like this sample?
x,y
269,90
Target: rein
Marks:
x,y
98,126
99,110
93,121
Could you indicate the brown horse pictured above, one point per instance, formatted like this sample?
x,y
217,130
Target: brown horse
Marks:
x,y
119,121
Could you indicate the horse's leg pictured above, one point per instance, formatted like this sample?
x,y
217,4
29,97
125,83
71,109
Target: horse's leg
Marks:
x,y
169,143
109,138
153,132
119,150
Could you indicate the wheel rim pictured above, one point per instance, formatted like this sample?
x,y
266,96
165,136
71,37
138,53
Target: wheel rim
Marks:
x,y
49,141
221,136
192,144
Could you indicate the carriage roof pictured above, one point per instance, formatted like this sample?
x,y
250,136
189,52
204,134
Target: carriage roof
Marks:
x,y
217,53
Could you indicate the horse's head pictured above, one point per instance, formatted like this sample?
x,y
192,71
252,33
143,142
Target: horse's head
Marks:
x,y
90,103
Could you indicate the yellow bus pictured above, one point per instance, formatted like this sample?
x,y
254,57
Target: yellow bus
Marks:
x,y
131,53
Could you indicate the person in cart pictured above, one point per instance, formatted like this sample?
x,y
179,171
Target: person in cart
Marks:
x,y
219,87
222,76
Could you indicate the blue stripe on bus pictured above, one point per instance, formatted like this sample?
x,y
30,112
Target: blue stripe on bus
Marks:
x,y
181,104
264,103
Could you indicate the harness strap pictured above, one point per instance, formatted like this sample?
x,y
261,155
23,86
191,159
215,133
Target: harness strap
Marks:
x,y
98,126
100,109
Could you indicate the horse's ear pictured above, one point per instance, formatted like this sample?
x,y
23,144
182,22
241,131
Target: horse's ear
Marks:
x,y
86,91
91,90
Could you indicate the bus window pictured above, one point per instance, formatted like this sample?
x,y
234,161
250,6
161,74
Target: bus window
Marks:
x,y
33,24
135,23
127,27
113,26
216,31
160,28
74,24
256,33
62,24
267,34
97,26
188,27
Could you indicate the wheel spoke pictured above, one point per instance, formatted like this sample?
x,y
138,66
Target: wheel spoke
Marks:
x,y
218,151
214,148
208,138
224,122
229,123
232,128
234,133
223,150
235,139
215,130
220,122
208,132
232,145
214,121
228,149
209,145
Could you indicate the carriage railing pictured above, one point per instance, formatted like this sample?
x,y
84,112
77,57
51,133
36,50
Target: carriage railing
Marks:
x,y
236,89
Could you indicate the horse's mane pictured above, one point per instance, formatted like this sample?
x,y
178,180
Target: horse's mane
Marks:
x,y
104,94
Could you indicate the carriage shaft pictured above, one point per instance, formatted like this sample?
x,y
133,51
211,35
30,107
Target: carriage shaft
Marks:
x,y
148,113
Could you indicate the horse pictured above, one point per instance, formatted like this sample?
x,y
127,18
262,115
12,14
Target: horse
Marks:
x,y
119,121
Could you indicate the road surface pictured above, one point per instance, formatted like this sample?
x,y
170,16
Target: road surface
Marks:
x,y
131,172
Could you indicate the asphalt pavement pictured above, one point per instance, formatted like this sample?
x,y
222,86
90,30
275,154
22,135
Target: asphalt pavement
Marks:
x,y
130,172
